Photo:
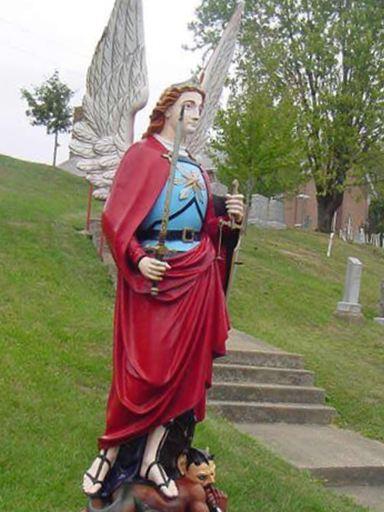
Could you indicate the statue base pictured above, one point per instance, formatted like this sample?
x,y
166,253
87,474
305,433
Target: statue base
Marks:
x,y
146,497
193,471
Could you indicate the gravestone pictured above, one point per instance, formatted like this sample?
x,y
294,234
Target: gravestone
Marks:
x,y
375,239
360,237
350,308
266,212
380,319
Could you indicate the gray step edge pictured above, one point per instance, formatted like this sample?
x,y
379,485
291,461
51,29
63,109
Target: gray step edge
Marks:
x,y
274,405
263,385
246,367
349,475
264,352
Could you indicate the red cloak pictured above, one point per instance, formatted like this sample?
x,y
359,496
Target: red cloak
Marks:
x,y
164,345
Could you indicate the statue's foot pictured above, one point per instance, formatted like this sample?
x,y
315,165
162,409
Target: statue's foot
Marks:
x,y
95,475
156,474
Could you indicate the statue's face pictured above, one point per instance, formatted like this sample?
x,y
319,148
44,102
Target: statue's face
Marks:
x,y
193,104
203,474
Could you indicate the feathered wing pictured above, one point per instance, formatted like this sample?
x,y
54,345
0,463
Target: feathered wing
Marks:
x,y
214,77
116,89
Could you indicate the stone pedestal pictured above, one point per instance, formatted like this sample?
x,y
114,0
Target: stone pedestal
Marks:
x,y
143,497
350,308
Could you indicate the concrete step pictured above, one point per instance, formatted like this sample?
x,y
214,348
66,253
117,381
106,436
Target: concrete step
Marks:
x,y
264,358
349,475
273,393
348,463
371,496
339,457
262,374
266,412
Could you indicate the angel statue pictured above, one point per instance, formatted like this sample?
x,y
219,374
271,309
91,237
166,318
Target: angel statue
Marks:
x,y
163,229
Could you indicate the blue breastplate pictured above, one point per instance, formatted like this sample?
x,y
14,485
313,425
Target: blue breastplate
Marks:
x,y
187,208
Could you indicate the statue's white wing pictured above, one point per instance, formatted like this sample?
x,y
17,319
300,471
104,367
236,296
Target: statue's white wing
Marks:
x,y
214,77
116,89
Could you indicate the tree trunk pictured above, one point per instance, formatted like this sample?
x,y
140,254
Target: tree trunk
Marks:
x,y
56,145
326,207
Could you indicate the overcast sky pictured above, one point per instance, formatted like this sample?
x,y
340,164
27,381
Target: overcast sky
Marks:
x,y
39,36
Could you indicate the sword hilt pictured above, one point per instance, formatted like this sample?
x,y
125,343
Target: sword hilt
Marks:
x,y
154,289
160,251
235,190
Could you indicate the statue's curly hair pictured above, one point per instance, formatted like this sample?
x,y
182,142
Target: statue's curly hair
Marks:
x,y
166,100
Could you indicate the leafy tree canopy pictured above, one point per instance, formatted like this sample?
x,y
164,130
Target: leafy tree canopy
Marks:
x,y
328,55
255,140
48,105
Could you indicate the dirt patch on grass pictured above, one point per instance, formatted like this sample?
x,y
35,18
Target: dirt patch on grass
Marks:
x,y
303,256
20,223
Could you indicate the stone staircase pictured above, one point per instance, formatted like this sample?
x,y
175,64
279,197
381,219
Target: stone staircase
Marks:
x,y
260,384
269,395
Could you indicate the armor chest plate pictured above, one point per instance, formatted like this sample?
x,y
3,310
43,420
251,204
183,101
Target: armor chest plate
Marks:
x,y
187,208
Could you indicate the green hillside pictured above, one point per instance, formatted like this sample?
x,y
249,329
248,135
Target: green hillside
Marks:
x,y
56,308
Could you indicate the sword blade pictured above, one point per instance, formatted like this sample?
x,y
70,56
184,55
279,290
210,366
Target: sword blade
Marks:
x,y
171,179
160,249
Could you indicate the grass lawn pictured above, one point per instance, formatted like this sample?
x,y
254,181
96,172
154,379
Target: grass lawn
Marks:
x,y
56,308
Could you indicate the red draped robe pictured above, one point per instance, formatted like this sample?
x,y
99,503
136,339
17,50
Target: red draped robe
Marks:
x,y
164,345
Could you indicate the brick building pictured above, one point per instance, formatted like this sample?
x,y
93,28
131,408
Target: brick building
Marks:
x,y
301,209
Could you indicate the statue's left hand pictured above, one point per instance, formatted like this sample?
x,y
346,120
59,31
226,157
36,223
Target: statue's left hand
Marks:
x,y
235,206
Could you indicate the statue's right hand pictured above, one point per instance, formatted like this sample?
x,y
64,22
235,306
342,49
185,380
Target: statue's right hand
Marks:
x,y
153,269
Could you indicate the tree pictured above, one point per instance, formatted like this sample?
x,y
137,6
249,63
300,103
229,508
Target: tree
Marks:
x,y
375,162
376,215
48,105
329,55
255,140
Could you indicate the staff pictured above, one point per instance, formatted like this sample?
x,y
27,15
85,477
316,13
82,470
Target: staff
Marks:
x,y
235,255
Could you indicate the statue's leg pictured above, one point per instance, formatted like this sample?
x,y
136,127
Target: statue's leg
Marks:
x,y
95,475
151,469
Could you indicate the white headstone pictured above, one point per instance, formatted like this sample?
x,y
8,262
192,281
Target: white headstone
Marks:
x,y
360,237
380,319
350,307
